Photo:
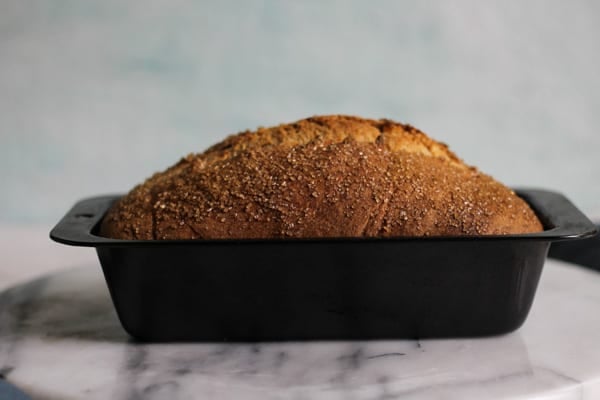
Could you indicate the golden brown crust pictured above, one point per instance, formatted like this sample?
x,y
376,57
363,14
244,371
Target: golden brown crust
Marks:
x,y
340,180
333,129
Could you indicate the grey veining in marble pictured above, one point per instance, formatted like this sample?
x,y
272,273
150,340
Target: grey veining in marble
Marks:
x,y
60,338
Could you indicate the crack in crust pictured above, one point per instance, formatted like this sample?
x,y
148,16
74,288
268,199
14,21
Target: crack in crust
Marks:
x,y
334,129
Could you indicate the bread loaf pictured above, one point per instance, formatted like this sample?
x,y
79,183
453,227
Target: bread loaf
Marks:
x,y
328,176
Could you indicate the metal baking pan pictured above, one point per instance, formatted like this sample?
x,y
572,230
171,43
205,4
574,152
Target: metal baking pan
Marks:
x,y
346,288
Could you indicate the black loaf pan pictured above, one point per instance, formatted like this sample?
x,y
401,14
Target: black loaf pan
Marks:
x,y
248,290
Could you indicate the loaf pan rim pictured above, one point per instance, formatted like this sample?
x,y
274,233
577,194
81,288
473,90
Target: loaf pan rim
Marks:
x,y
562,221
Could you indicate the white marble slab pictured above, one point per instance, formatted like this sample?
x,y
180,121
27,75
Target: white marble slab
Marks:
x,y
60,339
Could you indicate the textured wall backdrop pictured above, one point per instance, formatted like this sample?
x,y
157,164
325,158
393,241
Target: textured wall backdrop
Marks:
x,y
97,95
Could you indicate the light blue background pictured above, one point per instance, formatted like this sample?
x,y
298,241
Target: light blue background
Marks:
x,y
97,95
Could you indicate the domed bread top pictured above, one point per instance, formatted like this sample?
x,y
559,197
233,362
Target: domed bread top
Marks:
x,y
333,176
326,130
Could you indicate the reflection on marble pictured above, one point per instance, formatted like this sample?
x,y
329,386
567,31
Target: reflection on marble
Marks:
x,y
60,338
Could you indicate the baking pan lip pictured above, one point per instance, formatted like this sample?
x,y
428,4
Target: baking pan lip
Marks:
x,y
561,219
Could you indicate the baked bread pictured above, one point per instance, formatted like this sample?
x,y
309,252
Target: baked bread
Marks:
x,y
327,176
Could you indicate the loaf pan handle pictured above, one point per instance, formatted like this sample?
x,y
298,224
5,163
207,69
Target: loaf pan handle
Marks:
x,y
561,219
77,226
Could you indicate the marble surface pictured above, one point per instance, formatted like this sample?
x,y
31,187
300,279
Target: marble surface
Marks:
x,y
60,339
